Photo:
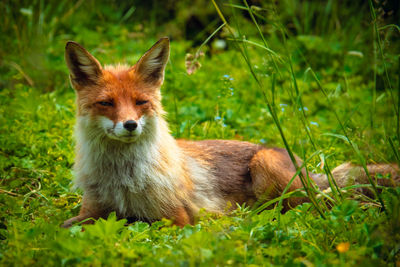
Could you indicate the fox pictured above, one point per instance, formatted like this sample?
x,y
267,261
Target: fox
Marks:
x,y
128,162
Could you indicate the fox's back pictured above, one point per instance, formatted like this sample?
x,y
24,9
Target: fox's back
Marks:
x,y
228,161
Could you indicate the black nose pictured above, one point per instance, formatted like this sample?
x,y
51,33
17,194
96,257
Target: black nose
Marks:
x,y
130,125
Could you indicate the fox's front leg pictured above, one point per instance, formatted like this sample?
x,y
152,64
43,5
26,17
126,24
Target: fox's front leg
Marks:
x,y
88,210
181,217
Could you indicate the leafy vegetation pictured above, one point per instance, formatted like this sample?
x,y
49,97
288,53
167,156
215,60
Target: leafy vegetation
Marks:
x,y
325,73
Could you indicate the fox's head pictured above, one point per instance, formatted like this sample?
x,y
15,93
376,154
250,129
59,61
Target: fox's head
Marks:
x,y
119,101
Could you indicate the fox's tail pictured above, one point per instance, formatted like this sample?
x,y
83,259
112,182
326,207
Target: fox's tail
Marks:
x,y
349,174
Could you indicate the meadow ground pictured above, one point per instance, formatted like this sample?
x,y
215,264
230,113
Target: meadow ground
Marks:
x,y
321,79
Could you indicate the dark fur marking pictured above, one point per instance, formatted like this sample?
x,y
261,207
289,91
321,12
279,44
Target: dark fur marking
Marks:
x,y
79,76
157,73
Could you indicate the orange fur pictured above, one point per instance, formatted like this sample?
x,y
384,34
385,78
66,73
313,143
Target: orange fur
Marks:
x,y
128,162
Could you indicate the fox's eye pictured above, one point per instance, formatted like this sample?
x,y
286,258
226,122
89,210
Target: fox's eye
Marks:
x,y
141,102
106,103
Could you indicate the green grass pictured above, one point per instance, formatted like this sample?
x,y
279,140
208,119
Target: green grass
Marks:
x,y
323,76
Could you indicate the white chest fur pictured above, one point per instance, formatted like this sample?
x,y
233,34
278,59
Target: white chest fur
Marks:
x,y
130,179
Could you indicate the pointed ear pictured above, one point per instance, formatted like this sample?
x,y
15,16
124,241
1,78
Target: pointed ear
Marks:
x,y
151,65
84,68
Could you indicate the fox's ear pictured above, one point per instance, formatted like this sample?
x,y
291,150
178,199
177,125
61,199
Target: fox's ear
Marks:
x,y
151,65
84,68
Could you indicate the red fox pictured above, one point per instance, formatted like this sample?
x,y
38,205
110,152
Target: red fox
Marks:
x,y
128,162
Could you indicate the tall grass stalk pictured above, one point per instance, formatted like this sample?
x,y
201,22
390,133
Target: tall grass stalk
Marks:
x,y
261,34
243,52
398,106
347,139
373,100
304,120
388,87
284,194
297,101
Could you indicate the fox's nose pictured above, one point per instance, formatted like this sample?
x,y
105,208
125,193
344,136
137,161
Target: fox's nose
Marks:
x,y
130,125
